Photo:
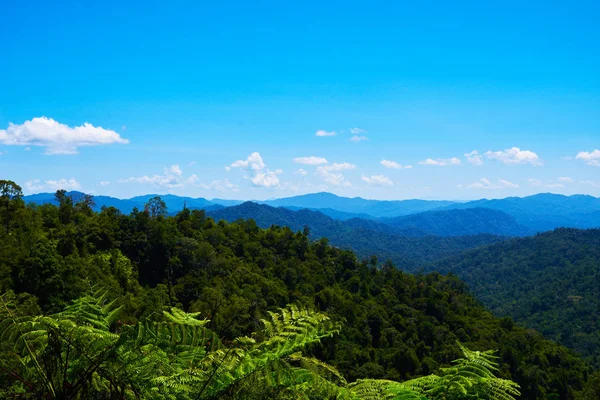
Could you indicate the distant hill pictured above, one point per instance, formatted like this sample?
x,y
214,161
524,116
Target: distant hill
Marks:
x,y
226,203
544,211
536,213
549,282
335,214
124,206
533,213
408,252
174,203
358,205
459,222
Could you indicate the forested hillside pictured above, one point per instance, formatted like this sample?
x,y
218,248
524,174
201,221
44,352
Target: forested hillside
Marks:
x,y
405,246
470,221
549,282
393,325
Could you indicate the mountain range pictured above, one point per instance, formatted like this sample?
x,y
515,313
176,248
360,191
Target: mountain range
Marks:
x,y
512,216
409,248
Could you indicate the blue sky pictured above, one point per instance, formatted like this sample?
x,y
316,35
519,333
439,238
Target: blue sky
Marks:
x,y
226,100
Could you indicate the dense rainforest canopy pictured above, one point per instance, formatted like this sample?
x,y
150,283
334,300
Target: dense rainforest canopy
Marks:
x,y
393,325
549,282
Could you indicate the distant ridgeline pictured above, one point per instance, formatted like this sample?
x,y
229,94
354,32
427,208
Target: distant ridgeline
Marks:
x,y
394,325
549,282
512,216
407,247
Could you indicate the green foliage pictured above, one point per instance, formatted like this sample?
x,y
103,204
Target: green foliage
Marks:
x,y
10,199
75,355
471,377
459,222
397,326
549,282
402,245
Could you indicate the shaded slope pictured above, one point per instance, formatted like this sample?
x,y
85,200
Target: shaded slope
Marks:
x,y
469,221
550,282
406,251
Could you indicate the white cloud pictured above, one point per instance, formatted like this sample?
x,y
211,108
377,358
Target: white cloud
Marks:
x,y
191,163
441,162
36,186
539,183
267,179
337,167
33,186
394,165
507,184
474,157
258,172
253,162
301,172
331,173
66,184
378,180
357,138
514,156
566,179
192,179
357,131
104,183
484,183
171,179
312,160
220,186
2,152
321,132
174,169
590,158
57,138
594,184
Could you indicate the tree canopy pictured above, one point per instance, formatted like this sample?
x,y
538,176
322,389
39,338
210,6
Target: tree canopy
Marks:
x,y
395,326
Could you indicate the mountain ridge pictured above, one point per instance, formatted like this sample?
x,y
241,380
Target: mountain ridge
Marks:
x,y
367,238
536,213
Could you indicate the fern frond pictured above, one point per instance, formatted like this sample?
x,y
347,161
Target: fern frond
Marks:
x,y
372,389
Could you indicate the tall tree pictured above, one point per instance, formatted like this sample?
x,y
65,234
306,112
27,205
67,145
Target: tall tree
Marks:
x,y
10,194
156,207
65,206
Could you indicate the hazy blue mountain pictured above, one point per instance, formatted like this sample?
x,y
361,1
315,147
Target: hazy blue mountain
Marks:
x,y
459,222
40,198
383,227
174,203
408,252
226,203
545,211
335,214
124,206
358,205
534,213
